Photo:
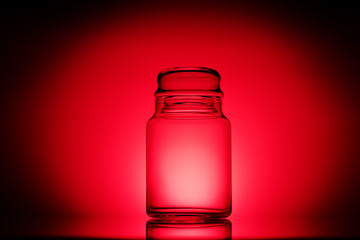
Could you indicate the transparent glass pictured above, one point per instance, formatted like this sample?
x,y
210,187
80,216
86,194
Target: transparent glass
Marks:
x,y
188,148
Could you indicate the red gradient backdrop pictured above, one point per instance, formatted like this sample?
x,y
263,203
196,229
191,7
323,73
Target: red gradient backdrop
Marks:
x,y
86,117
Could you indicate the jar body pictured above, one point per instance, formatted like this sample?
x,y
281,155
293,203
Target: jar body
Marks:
x,y
188,167
188,157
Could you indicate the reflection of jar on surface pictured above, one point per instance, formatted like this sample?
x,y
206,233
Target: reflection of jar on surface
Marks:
x,y
188,147
219,230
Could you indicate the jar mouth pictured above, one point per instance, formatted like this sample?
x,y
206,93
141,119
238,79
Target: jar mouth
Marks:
x,y
187,69
188,79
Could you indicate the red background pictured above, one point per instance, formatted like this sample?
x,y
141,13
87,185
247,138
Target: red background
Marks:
x,y
79,89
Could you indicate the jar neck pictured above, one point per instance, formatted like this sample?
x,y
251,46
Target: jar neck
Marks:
x,y
209,105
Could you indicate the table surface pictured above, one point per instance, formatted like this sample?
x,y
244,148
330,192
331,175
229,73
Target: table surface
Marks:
x,y
144,228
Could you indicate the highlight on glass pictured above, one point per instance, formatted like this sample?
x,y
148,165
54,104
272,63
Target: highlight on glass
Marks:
x,y
188,147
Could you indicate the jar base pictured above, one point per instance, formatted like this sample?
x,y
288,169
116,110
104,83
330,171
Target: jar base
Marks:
x,y
184,214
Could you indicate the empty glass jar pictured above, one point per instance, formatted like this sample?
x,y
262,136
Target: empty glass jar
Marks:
x,y
188,147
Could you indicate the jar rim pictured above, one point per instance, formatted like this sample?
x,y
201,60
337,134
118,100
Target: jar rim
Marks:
x,y
187,69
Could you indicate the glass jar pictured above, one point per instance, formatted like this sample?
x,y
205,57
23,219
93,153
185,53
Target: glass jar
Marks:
x,y
188,147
